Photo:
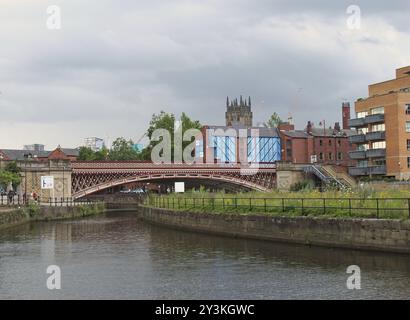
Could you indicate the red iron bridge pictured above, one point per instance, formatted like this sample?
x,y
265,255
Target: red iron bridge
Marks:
x,y
92,177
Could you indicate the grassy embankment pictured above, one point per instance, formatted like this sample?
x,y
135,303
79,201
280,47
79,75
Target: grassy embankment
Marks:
x,y
365,203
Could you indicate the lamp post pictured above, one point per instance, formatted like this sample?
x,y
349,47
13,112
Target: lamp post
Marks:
x,y
26,157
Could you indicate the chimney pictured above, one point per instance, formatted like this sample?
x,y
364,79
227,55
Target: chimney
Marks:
x,y
346,115
309,127
286,126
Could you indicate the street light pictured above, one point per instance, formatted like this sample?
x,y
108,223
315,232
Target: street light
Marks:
x,y
26,157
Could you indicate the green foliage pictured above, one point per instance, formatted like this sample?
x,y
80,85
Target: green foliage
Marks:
x,y
123,150
12,167
11,174
304,185
274,121
166,121
33,209
87,154
391,204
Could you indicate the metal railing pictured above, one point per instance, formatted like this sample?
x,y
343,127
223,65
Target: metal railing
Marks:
x,y
377,208
17,200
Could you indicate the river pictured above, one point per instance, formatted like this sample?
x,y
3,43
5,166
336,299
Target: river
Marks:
x,y
117,256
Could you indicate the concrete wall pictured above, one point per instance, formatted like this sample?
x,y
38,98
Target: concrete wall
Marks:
x,y
380,235
12,217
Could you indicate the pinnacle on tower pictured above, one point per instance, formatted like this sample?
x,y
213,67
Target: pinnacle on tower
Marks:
x,y
227,101
250,104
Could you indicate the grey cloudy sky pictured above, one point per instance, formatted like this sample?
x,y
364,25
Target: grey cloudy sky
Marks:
x,y
114,63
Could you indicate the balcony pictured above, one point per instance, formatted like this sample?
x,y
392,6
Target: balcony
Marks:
x,y
375,136
359,171
358,138
365,171
359,122
374,118
378,170
376,153
357,155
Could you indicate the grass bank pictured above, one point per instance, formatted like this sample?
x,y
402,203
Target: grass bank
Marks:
x,y
362,203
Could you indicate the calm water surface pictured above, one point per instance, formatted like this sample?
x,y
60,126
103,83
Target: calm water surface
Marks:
x,y
117,256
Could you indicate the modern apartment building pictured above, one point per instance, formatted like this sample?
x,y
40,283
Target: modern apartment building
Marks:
x,y
383,129
94,143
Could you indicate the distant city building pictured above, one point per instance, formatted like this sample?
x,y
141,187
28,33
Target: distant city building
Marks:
x,y
34,147
94,143
239,112
138,147
383,129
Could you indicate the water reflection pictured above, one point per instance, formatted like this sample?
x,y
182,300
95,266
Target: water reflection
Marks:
x,y
118,256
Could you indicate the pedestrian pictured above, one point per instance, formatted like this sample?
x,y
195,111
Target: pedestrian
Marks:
x,y
11,196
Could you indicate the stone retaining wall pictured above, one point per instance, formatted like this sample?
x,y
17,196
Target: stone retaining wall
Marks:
x,y
369,234
12,217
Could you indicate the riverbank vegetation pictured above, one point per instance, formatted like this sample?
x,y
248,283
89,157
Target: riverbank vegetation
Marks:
x,y
361,203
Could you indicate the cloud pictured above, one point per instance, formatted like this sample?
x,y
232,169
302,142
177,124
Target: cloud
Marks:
x,y
114,63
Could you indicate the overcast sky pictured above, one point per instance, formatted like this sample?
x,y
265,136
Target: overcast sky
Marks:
x,y
114,63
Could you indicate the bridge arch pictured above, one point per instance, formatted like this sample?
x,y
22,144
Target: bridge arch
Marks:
x,y
234,182
91,177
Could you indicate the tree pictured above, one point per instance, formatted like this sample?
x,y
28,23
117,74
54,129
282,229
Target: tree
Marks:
x,y
274,121
10,174
166,121
87,154
123,150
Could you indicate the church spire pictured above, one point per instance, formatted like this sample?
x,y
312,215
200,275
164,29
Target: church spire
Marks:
x,y
250,104
227,101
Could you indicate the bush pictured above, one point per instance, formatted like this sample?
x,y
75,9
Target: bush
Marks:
x,y
304,185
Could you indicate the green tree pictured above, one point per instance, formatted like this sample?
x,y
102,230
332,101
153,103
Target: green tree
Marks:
x,y
274,121
166,121
87,154
11,173
123,150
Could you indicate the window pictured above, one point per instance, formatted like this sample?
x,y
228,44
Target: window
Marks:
x,y
330,156
378,127
378,110
408,144
321,156
330,142
407,126
363,147
362,163
362,130
339,156
339,143
379,145
408,162
320,142
361,114
407,108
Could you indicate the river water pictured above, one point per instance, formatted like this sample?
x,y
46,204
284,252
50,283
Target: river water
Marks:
x,y
117,256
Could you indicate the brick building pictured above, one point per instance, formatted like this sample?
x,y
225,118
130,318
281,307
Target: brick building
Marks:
x,y
327,146
383,129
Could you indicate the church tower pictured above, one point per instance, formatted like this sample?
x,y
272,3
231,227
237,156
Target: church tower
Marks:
x,y
238,112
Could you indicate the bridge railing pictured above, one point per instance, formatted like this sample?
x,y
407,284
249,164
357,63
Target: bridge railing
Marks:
x,y
18,201
374,208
